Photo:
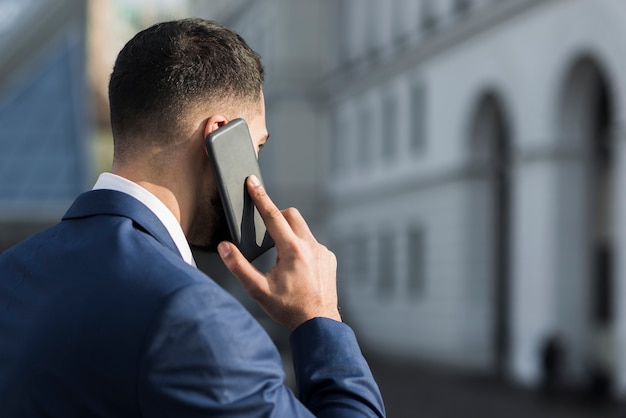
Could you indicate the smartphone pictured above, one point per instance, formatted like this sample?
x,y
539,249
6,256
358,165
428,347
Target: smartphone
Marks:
x,y
234,159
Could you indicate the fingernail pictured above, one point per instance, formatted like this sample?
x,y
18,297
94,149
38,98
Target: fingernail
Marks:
x,y
254,181
224,249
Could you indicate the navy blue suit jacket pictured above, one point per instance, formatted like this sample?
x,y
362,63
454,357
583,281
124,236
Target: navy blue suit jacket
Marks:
x,y
100,316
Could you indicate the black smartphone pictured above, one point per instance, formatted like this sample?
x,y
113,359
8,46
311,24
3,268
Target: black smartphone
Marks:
x,y
234,159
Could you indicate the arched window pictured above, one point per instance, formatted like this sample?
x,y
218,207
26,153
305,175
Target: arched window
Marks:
x,y
584,123
490,219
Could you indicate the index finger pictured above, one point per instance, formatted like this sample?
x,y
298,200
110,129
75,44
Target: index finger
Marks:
x,y
275,222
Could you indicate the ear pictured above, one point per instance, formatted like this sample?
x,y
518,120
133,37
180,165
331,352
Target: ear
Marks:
x,y
214,123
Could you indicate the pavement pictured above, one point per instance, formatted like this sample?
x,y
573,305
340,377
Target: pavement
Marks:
x,y
422,391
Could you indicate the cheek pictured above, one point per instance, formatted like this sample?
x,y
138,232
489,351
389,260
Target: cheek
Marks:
x,y
208,201
208,185
212,199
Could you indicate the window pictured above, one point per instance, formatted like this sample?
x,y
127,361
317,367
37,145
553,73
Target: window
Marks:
x,y
428,17
462,6
416,262
418,119
360,260
389,128
372,27
386,265
364,141
337,140
344,26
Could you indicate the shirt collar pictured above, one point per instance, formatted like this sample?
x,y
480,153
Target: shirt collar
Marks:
x,y
114,182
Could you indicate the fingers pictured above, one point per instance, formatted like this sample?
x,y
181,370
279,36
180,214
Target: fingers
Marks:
x,y
252,280
297,223
275,222
302,283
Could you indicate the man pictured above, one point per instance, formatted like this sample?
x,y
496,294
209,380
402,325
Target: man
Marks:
x,y
106,315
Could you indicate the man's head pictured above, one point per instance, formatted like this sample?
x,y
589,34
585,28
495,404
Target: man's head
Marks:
x,y
171,85
171,70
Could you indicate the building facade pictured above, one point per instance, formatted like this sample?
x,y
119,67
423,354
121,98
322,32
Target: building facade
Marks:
x,y
466,161
475,181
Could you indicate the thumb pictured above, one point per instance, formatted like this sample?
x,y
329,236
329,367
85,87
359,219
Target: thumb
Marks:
x,y
252,279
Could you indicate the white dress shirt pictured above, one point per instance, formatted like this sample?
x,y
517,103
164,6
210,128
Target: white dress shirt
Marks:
x,y
114,182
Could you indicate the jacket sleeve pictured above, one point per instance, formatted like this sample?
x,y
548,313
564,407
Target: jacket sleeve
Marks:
x,y
333,378
208,357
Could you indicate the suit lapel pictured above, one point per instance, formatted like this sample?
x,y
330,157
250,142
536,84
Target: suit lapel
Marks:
x,y
111,202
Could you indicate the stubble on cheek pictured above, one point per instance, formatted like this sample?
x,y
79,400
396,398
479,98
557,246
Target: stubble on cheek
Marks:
x,y
209,227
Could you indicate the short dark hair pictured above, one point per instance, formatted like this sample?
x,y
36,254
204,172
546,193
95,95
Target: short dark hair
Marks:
x,y
166,68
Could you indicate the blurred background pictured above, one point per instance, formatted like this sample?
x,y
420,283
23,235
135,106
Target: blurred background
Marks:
x,y
465,160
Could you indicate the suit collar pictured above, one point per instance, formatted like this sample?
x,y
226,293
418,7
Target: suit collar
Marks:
x,y
114,203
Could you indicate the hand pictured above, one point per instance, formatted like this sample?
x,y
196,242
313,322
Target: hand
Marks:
x,y
302,284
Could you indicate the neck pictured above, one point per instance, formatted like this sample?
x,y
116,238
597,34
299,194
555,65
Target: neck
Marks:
x,y
165,189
